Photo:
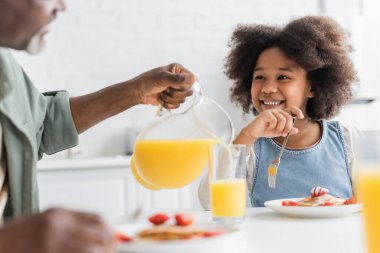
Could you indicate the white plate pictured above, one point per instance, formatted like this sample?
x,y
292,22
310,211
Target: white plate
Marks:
x,y
312,211
211,244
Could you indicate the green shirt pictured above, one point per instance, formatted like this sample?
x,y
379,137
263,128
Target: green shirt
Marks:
x,y
33,124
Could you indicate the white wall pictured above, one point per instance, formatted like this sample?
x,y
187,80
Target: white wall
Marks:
x,y
101,42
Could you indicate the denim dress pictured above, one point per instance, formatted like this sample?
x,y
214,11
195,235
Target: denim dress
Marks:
x,y
325,164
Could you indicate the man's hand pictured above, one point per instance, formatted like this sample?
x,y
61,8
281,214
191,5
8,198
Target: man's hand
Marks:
x,y
57,231
168,85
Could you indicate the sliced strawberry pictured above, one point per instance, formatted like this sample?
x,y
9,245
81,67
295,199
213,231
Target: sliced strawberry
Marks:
x,y
123,237
158,219
351,201
213,233
327,203
184,219
289,203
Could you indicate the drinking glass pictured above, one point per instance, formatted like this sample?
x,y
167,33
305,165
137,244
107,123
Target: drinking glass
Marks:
x,y
368,187
228,187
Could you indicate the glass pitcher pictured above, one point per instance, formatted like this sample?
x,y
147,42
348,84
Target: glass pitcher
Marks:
x,y
173,150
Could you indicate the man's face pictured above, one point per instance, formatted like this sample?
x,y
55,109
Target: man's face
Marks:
x,y
24,23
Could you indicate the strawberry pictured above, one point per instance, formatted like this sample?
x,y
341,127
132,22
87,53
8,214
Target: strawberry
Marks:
x,y
158,219
213,233
184,219
122,237
289,203
352,200
318,191
327,203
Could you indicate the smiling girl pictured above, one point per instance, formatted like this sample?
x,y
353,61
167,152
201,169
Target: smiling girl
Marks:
x,y
301,70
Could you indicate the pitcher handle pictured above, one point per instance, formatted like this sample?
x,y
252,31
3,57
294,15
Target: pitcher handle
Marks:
x,y
197,93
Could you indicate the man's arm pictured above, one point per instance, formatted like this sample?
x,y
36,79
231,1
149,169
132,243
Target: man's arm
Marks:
x,y
168,85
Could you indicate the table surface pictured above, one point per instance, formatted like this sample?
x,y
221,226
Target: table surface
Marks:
x,y
269,232
265,231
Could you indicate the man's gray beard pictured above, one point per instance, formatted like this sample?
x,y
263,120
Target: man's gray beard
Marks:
x,y
36,44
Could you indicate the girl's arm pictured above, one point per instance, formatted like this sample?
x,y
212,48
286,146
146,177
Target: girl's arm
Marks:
x,y
245,138
351,137
204,193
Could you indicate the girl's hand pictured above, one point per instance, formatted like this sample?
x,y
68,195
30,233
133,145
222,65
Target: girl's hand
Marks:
x,y
269,124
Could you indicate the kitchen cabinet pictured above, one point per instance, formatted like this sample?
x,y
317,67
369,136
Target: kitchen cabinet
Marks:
x,y
105,186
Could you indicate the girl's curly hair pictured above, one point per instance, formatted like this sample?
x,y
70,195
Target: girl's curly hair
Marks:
x,y
318,44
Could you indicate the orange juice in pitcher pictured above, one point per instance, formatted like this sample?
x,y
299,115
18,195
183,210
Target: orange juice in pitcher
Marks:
x,y
172,163
172,151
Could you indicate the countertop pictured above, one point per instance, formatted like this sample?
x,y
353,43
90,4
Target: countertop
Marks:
x,y
84,163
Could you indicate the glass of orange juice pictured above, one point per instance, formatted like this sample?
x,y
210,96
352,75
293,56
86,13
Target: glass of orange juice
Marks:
x,y
368,187
228,187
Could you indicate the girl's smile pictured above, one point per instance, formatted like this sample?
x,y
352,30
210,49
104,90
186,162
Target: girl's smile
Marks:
x,y
267,104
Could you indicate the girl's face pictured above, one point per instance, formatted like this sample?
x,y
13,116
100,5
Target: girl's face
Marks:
x,y
279,82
